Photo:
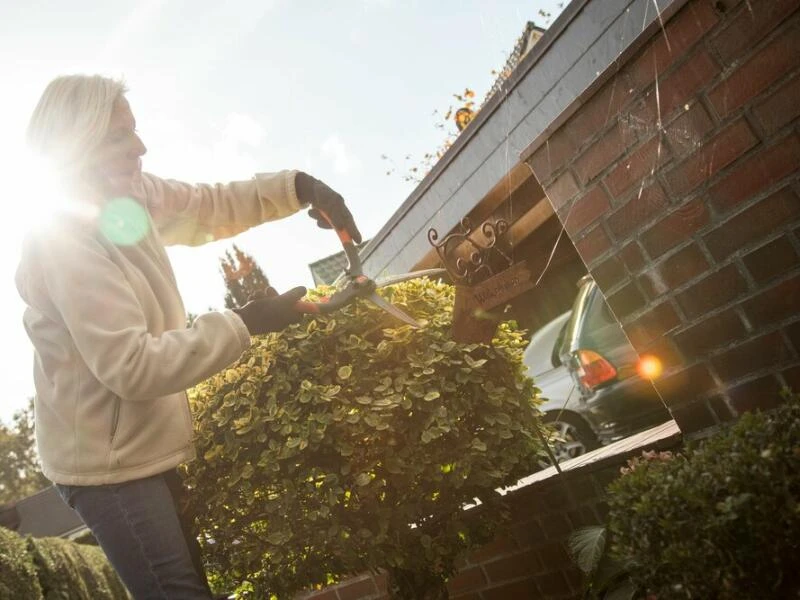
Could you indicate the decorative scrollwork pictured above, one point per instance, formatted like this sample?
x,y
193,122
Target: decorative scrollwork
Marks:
x,y
477,266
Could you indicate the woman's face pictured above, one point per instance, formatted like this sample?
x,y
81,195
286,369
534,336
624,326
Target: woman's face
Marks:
x,y
116,164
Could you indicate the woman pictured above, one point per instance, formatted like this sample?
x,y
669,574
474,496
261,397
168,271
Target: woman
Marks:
x,y
113,355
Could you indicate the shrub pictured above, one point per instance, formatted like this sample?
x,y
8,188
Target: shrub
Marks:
x,y
55,568
351,442
721,521
70,571
17,573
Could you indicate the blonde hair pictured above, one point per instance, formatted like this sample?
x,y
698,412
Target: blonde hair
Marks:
x,y
71,119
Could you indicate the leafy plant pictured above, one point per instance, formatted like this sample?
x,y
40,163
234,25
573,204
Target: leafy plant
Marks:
x,y
721,522
54,568
352,442
608,578
20,475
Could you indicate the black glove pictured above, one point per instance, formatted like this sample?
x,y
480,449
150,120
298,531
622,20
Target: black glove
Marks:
x,y
322,198
271,312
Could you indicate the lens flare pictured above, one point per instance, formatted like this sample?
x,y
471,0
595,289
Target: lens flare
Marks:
x,y
124,221
650,367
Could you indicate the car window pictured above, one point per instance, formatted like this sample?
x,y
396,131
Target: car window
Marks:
x,y
542,352
599,313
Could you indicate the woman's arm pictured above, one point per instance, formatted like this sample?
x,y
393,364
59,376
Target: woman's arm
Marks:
x,y
196,214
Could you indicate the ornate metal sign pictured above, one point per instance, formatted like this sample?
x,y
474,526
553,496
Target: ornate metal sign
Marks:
x,y
485,276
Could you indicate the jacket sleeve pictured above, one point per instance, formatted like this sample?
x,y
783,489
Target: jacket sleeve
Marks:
x,y
108,329
195,214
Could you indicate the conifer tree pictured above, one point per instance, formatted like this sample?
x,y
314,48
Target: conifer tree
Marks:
x,y
244,279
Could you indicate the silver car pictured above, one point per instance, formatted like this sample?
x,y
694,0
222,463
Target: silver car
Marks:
x,y
587,371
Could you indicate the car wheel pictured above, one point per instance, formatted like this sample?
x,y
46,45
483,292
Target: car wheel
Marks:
x,y
573,436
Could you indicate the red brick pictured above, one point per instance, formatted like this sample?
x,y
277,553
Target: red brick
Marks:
x,y
595,243
762,393
511,567
557,499
626,301
687,80
562,190
468,579
602,153
556,526
683,386
793,331
792,378
757,173
774,304
676,227
553,555
768,65
750,26
652,325
582,490
715,290
586,210
529,533
693,416
721,409
669,45
632,257
519,589
466,596
553,584
642,207
771,260
557,151
582,517
753,224
357,589
716,331
754,355
644,161
686,264
496,548
608,273
321,595
780,108
712,157
686,132
600,110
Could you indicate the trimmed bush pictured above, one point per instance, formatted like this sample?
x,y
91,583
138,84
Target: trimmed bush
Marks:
x,y
71,571
352,442
721,521
17,573
55,569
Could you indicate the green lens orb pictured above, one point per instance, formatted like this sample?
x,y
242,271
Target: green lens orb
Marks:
x,y
124,221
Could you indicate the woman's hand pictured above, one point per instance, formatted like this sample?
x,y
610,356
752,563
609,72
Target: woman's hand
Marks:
x,y
271,312
322,198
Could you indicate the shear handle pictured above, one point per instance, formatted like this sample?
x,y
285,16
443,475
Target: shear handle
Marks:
x,y
350,251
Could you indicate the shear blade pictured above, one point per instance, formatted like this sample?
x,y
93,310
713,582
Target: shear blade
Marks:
x,y
392,310
384,281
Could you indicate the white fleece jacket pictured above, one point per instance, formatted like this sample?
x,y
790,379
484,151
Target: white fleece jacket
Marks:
x,y
112,354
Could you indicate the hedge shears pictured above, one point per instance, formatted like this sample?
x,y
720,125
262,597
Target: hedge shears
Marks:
x,y
357,285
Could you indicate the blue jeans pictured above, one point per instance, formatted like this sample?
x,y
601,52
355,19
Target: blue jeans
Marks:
x,y
139,526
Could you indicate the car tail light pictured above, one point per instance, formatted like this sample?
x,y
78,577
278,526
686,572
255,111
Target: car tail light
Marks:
x,y
594,369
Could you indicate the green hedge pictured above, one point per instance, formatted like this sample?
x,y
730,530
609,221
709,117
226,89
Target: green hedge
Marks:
x,y
55,569
721,521
17,572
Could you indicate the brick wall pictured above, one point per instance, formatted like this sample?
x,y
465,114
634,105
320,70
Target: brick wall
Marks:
x,y
532,561
678,183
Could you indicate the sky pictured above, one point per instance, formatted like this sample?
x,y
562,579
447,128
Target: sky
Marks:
x,y
222,89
